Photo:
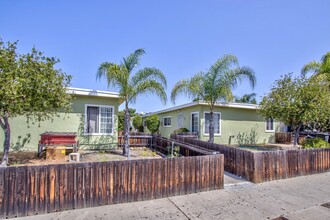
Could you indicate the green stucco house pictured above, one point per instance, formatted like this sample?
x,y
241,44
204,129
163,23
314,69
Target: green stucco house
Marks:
x,y
235,123
93,118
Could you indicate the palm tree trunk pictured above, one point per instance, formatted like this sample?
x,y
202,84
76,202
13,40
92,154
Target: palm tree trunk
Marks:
x,y
6,144
211,128
126,131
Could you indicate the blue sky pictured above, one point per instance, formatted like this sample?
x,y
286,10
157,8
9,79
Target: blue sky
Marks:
x,y
180,37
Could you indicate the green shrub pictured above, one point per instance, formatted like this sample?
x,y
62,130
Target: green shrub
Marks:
x,y
180,130
315,143
152,123
137,123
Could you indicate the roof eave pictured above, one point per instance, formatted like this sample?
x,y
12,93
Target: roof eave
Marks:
x,y
227,105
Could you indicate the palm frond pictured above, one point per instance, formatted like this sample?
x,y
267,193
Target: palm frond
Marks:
x,y
192,87
149,86
114,74
326,58
223,64
102,70
181,87
320,70
312,66
148,73
246,98
325,67
133,59
248,74
222,92
236,76
217,83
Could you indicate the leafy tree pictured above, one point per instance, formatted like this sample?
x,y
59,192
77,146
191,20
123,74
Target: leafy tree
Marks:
x,y
146,80
152,123
247,98
137,122
31,87
121,120
215,85
319,69
297,101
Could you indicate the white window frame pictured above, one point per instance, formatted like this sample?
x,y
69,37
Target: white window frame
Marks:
x,y
215,134
273,125
167,126
99,106
191,113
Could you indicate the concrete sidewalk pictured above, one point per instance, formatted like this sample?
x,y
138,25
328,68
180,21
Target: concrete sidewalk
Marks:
x,y
295,198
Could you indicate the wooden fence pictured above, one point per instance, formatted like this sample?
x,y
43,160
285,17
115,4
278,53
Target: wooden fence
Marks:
x,y
30,190
274,165
137,139
269,165
283,137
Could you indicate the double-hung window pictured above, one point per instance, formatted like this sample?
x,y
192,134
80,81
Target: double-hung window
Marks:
x,y
194,121
216,122
270,125
99,119
167,121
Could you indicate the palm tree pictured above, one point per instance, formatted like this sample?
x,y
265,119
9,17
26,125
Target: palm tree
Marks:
x,y
246,98
215,85
146,80
320,69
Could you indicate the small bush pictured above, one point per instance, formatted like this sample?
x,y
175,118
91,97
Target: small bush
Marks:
x,y
180,130
152,123
137,123
315,143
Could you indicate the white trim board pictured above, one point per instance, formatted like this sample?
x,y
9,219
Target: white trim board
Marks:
x,y
91,92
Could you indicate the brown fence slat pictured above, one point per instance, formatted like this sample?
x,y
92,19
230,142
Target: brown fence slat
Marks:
x,y
70,189
42,204
2,192
198,169
164,178
110,181
181,173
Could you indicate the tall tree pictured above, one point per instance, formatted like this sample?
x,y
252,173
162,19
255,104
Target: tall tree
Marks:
x,y
31,86
297,101
320,69
246,98
146,80
215,85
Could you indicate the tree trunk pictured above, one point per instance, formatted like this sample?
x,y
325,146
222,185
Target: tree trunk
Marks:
x,y
126,131
296,134
6,144
211,128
